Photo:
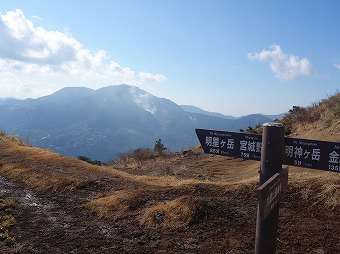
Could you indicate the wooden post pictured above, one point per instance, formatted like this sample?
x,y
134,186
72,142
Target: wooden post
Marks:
x,y
271,163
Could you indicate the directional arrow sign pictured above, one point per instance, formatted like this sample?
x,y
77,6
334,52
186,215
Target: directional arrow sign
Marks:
x,y
306,153
312,154
233,144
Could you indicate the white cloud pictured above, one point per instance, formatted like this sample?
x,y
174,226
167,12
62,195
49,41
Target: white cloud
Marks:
x,y
144,76
22,42
337,66
13,84
285,66
28,50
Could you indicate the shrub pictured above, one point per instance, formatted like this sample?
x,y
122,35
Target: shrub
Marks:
x,y
140,155
122,158
254,130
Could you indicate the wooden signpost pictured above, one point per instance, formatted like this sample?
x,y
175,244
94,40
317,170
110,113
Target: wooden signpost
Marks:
x,y
270,193
273,150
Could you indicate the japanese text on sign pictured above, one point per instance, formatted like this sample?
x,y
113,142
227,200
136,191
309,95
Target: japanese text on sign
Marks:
x,y
240,145
297,152
313,154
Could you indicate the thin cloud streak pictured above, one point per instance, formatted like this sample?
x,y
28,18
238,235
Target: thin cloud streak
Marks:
x,y
37,18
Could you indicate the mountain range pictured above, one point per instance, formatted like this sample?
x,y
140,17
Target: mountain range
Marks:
x,y
104,123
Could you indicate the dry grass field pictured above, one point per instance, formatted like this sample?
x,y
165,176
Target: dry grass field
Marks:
x,y
187,202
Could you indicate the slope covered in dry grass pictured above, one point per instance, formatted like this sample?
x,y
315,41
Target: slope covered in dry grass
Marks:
x,y
186,202
321,120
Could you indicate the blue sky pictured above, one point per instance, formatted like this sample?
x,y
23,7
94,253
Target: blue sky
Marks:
x,y
233,57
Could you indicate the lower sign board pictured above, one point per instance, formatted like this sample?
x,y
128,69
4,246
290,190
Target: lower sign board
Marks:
x,y
270,193
233,144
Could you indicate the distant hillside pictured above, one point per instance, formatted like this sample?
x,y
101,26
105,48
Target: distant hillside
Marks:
x,y
103,123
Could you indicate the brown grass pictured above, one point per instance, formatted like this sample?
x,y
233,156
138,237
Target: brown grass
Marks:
x,y
327,194
44,170
330,195
141,158
320,115
7,220
135,158
171,214
41,168
115,204
319,187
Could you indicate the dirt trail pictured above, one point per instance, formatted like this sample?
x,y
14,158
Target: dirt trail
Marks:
x,y
56,223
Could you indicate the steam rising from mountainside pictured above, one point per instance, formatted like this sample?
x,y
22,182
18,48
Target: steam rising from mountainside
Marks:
x,y
105,122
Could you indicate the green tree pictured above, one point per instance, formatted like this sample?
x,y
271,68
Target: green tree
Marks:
x,y
159,147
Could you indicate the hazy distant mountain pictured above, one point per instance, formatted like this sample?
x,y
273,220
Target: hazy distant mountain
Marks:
x,y
193,109
105,122
278,116
8,101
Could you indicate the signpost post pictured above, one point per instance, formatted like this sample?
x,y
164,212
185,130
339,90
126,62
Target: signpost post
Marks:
x,y
271,163
272,149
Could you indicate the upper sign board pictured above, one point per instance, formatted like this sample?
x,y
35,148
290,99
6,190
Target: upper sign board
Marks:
x,y
233,144
312,154
298,152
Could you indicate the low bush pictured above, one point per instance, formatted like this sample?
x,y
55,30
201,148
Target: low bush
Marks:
x,y
140,155
88,160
